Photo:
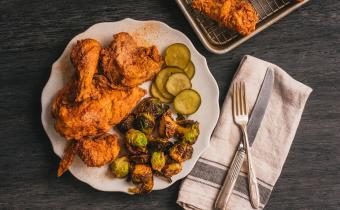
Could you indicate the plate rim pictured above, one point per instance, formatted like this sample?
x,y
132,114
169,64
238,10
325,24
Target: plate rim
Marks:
x,y
211,77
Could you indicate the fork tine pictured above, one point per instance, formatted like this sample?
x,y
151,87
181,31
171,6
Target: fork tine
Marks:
x,y
234,100
244,99
239,99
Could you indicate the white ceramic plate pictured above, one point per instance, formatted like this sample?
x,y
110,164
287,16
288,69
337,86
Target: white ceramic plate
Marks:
x,y
146,32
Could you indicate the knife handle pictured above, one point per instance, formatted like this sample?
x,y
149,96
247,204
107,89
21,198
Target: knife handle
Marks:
x,y
230,180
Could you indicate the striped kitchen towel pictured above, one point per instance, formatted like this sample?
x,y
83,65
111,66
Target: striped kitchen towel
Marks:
x,y
270,149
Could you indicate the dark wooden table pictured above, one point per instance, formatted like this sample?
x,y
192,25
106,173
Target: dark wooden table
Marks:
x,y
34,33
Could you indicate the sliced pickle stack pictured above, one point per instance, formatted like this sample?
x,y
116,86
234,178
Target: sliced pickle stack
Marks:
x,y
173,83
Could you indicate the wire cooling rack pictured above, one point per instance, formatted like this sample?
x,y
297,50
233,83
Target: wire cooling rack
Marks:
x,y
220,40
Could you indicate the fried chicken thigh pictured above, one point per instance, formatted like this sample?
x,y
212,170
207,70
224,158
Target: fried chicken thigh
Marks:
x,y
124,63
233,14
88,105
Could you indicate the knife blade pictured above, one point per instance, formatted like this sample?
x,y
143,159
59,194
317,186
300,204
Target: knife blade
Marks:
x,y
253,126
260,106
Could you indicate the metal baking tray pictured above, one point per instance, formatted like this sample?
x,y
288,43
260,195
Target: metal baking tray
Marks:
x,y
218,39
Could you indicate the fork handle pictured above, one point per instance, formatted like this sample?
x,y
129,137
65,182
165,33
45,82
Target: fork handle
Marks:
x,y
230,180
252,180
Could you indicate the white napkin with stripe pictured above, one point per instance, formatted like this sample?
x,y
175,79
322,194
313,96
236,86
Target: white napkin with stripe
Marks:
x,y
269,151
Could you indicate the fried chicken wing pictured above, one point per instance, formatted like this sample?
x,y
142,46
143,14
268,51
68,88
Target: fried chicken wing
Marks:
x,y
68,157
127,64
100,105
98,152
233,14
94,152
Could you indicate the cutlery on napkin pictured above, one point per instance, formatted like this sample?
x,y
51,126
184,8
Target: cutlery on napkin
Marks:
x,y
252,128
270,148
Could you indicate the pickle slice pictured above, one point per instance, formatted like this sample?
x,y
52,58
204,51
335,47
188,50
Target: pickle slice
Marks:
x,y
177,55
190,70
162,78
187,102
155,93
177,82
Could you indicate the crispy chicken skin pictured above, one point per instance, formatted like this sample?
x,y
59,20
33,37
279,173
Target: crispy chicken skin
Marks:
x,y
233,14
99,106
98,152
124,63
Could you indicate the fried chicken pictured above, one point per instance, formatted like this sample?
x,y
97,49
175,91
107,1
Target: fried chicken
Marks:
x,y
124,63
94,152
89,105
84,57
98,152
239,15
68,157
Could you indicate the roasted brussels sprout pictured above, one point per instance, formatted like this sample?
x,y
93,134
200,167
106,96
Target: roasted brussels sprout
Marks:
x,y
152,106
167,125
159,144
171,169
140,159
188,131
136,138
120,167
142,176
145,122
126,124
181,152
158,161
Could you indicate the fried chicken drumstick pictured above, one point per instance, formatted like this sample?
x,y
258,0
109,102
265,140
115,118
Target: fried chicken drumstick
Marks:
x,y
239,15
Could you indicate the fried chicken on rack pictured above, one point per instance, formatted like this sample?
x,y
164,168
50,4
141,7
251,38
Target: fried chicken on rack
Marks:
x,y
124,63
239,15
89,105
94,152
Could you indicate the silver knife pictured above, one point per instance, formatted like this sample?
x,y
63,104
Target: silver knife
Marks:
x,y
253,126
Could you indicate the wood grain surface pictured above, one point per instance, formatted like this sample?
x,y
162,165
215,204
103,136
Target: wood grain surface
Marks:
x,y
34,33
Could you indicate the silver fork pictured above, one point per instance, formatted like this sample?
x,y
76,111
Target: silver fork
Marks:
x,y
240,113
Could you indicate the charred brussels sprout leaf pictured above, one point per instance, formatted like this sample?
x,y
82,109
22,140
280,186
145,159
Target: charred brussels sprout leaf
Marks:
x,y
145,122
159,144
152,106
126,124
140,159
